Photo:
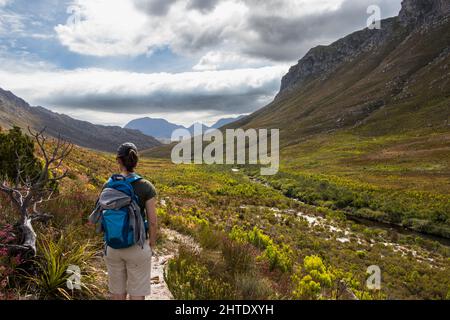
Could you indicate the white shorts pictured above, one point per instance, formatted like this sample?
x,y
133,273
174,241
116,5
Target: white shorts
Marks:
x,y
129,270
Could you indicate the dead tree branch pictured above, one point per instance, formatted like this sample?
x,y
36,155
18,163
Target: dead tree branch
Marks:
x,y
28,192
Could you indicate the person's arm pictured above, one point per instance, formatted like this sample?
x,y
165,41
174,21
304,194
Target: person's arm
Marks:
x,y
150,207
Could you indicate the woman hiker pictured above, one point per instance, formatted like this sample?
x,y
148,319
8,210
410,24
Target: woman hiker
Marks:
x,y
129,223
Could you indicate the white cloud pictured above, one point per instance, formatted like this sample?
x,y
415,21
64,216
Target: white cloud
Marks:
x,y
121,92
41,36
106,28
120,27
134,27
4,2
215,60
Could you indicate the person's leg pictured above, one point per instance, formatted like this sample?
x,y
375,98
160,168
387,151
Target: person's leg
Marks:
x,y
138,264
117,274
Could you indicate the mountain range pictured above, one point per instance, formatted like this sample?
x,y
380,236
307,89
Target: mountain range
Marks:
x,y
14,111
162,129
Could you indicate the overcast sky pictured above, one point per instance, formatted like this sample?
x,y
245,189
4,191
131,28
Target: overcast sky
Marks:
x,y
110,61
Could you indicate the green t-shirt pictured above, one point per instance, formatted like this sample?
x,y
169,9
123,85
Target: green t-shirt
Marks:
x,y
145,191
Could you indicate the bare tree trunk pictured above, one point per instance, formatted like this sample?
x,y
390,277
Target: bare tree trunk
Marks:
x,y
27,192
28,236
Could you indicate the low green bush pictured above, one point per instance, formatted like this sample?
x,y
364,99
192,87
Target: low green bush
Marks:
x,y
189,279
238,256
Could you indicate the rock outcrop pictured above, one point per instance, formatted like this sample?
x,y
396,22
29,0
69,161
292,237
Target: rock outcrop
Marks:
x,y
414,12
321,61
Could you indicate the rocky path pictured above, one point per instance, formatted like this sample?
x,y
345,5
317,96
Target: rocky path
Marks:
x,y
169,248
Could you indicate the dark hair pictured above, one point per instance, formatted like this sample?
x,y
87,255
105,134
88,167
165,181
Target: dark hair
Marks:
x,y
130,160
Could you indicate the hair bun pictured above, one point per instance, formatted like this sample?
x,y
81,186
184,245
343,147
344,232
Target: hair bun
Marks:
x,y
130,160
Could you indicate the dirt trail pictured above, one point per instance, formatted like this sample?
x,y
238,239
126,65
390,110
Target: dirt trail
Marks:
x,y
168,250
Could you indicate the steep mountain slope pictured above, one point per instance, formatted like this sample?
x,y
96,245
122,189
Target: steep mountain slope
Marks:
x,y
372,81
15,111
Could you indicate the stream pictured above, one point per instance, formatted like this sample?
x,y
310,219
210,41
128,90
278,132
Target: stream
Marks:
x,y
399,229
371,224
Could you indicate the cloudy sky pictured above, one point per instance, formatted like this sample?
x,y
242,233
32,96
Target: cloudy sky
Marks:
x,y
110,61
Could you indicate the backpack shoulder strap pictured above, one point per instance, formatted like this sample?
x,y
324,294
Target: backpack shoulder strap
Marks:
x,y
133,178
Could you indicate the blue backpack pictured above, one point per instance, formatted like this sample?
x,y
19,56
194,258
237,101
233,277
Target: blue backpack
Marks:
x,y
116,225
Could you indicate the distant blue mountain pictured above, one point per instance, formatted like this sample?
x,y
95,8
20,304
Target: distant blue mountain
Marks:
x,y
162,129
158,128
